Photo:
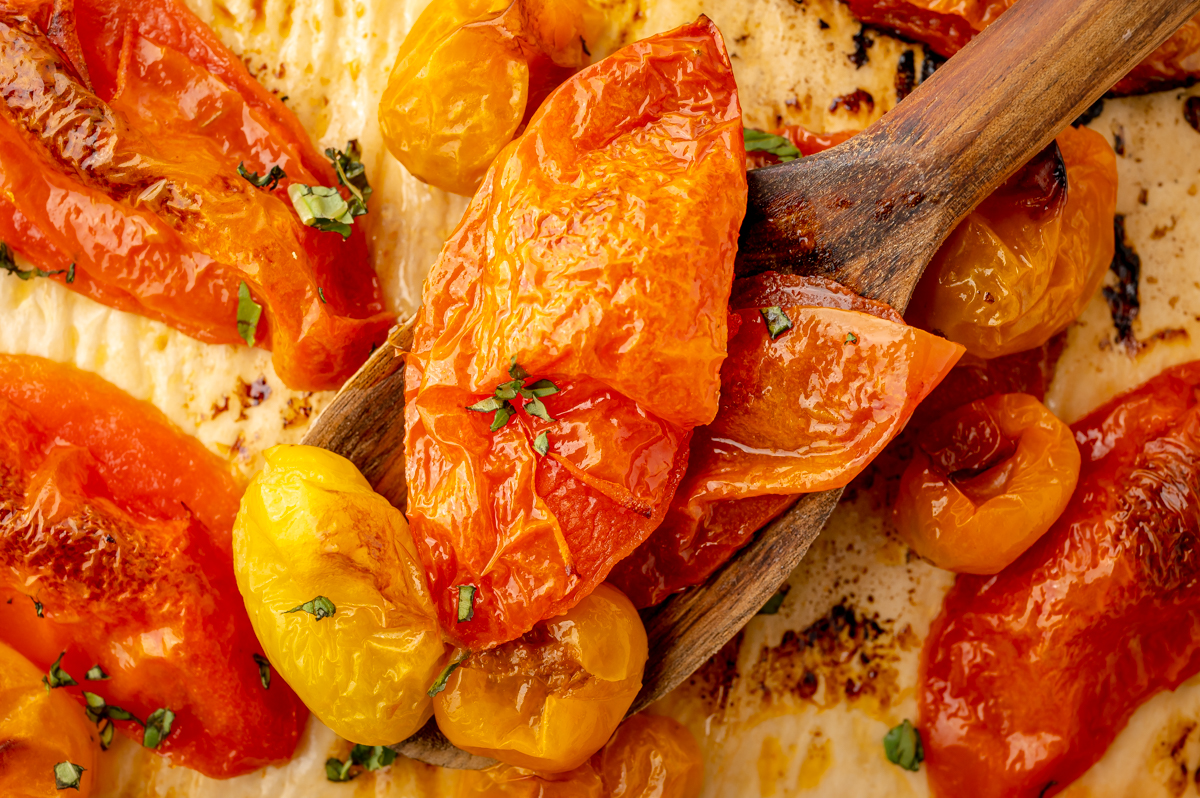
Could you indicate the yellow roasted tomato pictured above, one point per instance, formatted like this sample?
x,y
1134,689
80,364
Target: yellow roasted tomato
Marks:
x,y
337,595
550,699
46,742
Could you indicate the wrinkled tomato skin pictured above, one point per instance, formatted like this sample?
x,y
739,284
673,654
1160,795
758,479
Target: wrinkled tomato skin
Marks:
x,y
1029,675
107,525
560,265
137,185
1019,465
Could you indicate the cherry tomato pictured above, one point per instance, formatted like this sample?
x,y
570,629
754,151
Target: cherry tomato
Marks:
x,y
986,482
312,528
1030,674
551,699
134,199
559,283
116,551
41,729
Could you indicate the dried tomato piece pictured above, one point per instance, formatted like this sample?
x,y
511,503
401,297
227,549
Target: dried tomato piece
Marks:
x,y
132,192
115,546
591,273
1030,674
804,407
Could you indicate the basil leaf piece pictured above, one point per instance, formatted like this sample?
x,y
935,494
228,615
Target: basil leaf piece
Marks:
x,y
780,147
264,670
851,338
489,405
777,321
272,177
372,757
534,407
116,713
158,726
902,745
71,273
466,603
321,294
515,371
774,602
96,709
502,416
106,735
57,677
67,775
320,607
509,390
337,770
542,388
541,444
321,207
37,605
95,674
352,174
9,264
248,314
439,684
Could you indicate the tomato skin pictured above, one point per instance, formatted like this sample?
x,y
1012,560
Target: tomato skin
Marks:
x,y
1029,675
551,699
310,525
980,524
152,211
555,267
103,533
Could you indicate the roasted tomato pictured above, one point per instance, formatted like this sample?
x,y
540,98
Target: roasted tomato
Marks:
x,y
469,76
1024,264
114,548
948,26
591,271
119,173
337,595
817,382
46,742
1031,673
986,482
551,699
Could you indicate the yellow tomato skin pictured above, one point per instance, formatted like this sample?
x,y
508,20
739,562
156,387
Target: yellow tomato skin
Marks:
x,y
651,756
550,699
39,729
310,525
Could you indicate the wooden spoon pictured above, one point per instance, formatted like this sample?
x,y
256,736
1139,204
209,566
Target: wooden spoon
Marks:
x,y
870,214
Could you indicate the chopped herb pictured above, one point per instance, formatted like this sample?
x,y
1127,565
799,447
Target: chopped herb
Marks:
x,y
106,734
775,602
541,444
372,757
321,607
439,684
321,294
95,674
515,371
352,174
67,775
71,273
264,670
466,603
851,338
269,181
10,265
337,770
57,677
37,605
248,314
158,726
777,321
489,405
500,402
902,745
781,148
97,710
321,207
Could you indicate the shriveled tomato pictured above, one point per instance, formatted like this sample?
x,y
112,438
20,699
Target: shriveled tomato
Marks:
x,y
1023,264
1030,674
469,76
591,272
132,195
947,26
114,548
41,730
817,382
312,528
986,482
550,699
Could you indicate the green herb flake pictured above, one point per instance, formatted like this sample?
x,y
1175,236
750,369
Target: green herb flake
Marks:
x,y
337,770
321,294
534,407
489,405
320,607
269,181
777,321
321,207
158,726
851,338
372,757
67,775
71,273
248,314
902,745
515,371
95,674
439,684
466,603
106,734
500,402
9,264
541,444
781,148
775,602
116,713
502,416
352,174
57,677
96,709
37,605
264,670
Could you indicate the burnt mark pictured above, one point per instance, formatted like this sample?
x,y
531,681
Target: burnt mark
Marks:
x,y
1191,112
853,102
1122,298
823,24
906,75
256,392
929,64
1094,110
1119,141
862,43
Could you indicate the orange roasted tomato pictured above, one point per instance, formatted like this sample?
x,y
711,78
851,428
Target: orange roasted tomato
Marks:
x,y
1026,261
947,26
46,742
572,335
551,699
986,482
817,382
469,76
1030,674
115,553
122,130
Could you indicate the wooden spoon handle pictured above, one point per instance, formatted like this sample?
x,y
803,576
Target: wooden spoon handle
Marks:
x,y
926,164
